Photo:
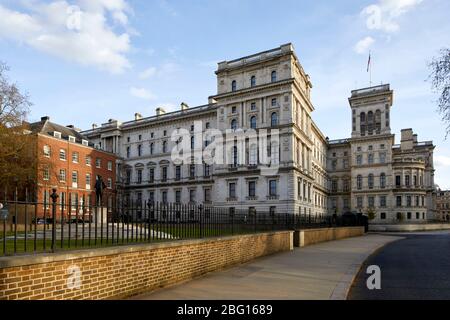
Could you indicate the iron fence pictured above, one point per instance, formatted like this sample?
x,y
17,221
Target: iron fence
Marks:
x,y
34,227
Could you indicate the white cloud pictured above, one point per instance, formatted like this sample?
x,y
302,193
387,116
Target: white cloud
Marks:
x,y
142,93
384,15
442,161
165,70
363,44
82,33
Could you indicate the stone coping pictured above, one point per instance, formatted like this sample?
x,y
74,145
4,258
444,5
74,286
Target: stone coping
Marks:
x,y
40,258
323,229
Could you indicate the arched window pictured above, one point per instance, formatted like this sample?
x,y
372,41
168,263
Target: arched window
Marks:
x,y
370,181
378,121
359,182
234,124
370,122
253,81
273,76
164,147
233,85
274,119
362,121
253,122
382,180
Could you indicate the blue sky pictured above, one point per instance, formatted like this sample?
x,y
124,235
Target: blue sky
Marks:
x,y
86,61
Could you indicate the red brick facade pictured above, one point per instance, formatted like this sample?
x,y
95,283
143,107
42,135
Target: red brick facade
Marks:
x,y
70,176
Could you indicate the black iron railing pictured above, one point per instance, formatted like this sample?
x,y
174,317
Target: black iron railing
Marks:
x,y
35,227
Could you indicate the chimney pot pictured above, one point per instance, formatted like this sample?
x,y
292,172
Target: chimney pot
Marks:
x,y
46,118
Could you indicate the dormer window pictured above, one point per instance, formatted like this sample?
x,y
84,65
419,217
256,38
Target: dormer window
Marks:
x,y
71,139
252,81
233,85
84,142
57,134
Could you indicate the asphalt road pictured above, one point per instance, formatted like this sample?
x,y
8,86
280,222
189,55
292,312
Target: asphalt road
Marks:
x,y
417,267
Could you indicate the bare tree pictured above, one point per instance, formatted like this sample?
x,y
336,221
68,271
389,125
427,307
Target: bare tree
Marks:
x,y
440,81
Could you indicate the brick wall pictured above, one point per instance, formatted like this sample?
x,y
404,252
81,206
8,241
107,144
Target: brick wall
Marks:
x,y
308,237
125,271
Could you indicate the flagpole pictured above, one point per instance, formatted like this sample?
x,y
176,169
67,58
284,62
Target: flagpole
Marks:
x,y
370,69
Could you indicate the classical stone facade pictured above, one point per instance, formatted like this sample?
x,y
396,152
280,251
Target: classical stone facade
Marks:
x,y
442,205
269,92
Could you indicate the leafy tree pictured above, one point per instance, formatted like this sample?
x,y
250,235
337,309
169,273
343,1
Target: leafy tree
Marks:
x,y
17,146
371,213
440,82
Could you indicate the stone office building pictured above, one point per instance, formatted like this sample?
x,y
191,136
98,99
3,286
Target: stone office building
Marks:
x,y
268,91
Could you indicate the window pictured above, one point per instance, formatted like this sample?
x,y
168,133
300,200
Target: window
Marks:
x,y
252,81
62,154
253,154
178,173
370,181
192,127
62,175
128,139
383,201
192,171
164,174
346,185
274,102
151,196
47,152
88,160
398,181
71,139
232,190
128,176
207,125
408,201
207,195
333,164
274,119
192,195
139,150
109,183
383,215
370,158
110,166
371,202
334,186
273,76
253,122
272,188
359,182
359,159
409,215
98,163
75,156
399,201
178,196
382,180
253,106
152,148
88,179
57,134
206,170
417,215
140,137
382,157
151,175
234,124
165,133
407,180
46,174
139,176
359,202
128,152
252,188
233,85
74,177
233,109
164,147
164,196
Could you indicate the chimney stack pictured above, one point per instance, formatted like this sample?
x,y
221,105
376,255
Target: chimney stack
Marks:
x,y
46,118
137,116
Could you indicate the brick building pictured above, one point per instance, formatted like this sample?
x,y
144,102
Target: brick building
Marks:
x,y
443,205
68,162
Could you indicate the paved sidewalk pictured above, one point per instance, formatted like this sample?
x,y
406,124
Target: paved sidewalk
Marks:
x,y
321,271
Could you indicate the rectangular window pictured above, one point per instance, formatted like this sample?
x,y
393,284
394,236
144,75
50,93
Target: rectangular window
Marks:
x,y
274,102
251,188
232,190
399,201
109,184
139,176
88,160
371,202
75,157
62,175
192,171
151,175
207,195
398,181
110,166
164,174
192,194
178,196
62,154
46,174
408,201
272,188
164,196
207,170
383,201
407,180
88,179
98,163
382,157
47,151
359,202
74,177
178,173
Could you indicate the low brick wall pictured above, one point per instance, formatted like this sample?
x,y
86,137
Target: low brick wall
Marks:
x,y
307,237
116,272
